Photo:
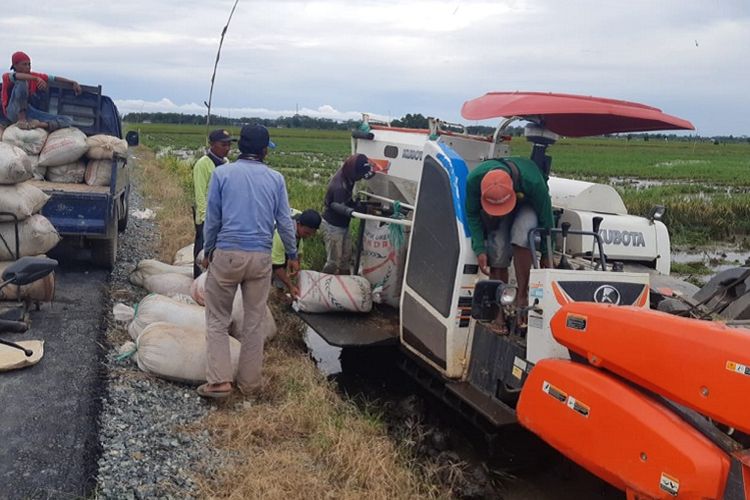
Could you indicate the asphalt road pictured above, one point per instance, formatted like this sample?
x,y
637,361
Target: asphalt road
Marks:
x,y
48,412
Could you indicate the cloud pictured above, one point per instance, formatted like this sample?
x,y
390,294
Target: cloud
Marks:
x,y
165,105
393,57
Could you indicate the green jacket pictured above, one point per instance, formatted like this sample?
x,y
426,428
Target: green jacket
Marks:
x,y
531,187
202,171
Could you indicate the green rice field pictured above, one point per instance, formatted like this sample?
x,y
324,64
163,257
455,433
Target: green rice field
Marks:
x,y
704,186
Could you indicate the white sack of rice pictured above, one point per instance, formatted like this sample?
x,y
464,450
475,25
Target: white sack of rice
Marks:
x,y
70,172
22,200
321,293
30,141
63,146
98,172
184,257
37,171
15,165
150,267
37,235
177,352
103,147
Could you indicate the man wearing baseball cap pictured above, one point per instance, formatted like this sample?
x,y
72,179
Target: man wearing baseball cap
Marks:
x,y
247,200
505,199
219,143
22,89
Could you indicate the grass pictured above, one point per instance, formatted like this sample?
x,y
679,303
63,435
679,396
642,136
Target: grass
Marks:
x,y
297,438
706,187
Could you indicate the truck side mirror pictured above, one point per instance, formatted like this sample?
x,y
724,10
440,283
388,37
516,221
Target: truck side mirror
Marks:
x,y
132,138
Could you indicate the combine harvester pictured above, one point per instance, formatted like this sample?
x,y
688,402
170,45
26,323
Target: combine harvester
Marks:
x,y
653,403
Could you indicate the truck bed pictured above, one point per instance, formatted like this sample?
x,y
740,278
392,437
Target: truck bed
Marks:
x,y
67,187
376,328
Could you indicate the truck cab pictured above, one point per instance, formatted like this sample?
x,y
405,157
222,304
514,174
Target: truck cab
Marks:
x,y
90,215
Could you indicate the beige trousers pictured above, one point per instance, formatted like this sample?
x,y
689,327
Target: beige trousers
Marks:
x,y
252,271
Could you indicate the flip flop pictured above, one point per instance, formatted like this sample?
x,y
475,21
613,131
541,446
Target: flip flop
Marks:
x,y
206,393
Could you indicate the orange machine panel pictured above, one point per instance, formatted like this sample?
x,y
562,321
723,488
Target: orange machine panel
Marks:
x,y
701,364
619,434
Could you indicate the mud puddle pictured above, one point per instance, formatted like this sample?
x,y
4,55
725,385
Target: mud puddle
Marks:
x,y
512,464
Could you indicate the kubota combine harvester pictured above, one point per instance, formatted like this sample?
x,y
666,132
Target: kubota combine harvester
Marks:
x,y
654,403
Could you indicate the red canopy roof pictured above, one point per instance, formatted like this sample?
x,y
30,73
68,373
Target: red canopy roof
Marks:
x,y
573,115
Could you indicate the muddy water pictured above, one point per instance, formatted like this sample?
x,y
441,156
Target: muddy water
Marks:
x,y
715,259
512,466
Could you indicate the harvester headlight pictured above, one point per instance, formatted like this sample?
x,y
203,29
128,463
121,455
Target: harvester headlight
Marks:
x,y
507,295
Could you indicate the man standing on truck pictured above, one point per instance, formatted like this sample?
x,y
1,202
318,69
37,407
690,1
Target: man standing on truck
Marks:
x,y
505,199
219,143
335,226
23,90
246,199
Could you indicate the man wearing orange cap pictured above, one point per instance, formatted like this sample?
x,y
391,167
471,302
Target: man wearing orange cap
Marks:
x,y
505,199
22,87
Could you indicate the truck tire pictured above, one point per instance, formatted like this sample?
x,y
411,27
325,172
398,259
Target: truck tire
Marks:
x,y
104,252
122,224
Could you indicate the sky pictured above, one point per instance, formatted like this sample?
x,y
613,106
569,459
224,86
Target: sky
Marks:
x,y
337,59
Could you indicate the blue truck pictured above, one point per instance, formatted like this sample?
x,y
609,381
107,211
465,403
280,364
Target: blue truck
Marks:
x,y
91,216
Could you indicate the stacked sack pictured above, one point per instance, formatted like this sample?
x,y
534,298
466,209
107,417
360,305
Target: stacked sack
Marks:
x,y
169,328
67,155
35,233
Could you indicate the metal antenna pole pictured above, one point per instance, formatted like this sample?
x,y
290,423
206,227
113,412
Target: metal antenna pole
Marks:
x,y
216,65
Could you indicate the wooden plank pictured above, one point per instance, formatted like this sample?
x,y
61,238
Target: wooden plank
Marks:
x,y
377,328
51,187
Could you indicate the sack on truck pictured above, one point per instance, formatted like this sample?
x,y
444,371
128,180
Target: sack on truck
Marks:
x,y
63,146
42,289
320,293
103,147
37,236
22,200
30,141
38,172
98,172
382,263
72,173
15,165
177,352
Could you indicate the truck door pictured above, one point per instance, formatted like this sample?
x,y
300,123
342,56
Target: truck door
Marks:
x,y
441,267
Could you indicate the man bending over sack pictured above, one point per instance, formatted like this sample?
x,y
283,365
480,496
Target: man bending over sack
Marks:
x,y
23,88
307,224
245,200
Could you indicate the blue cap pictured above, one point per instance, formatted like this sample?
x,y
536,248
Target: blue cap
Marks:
x,y
253,138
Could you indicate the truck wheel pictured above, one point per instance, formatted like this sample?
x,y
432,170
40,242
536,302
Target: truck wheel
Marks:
x,y
122,224
104,252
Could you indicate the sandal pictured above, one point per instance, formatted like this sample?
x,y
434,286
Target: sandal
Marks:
x,y
203,390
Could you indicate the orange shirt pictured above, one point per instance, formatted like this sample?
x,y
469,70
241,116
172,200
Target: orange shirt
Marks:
x,y
8,86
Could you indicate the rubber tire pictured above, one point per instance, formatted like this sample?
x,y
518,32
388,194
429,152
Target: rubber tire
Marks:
x,y
122,224
104,252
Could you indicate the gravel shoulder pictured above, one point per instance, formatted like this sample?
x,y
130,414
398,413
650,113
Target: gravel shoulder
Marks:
x,y
147,447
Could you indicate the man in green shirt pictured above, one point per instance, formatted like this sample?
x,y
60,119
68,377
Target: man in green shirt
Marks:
x,y
219,143
307,224
505,199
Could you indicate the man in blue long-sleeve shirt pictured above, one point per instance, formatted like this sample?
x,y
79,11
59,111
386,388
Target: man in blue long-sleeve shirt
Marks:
x,y
246,202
